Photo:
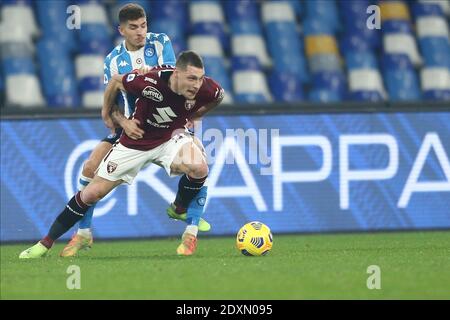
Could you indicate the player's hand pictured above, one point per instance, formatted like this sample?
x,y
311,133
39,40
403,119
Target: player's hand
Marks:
x,y
143,70
131,128
108,121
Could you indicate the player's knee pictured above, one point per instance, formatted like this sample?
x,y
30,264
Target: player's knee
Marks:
x,y
199,170
89,168
92,194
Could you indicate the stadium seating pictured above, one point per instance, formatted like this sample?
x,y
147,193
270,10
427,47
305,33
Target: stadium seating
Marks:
x,y
400,78
210,48
435,83
260,51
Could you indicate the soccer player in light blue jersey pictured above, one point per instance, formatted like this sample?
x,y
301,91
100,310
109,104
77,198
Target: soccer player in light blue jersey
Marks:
x,y
140,50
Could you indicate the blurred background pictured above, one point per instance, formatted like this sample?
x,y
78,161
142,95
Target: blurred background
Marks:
x,y
260,51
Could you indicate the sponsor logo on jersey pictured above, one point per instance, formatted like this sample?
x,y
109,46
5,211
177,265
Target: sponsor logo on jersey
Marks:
x,y
131,77
150,80
152,93
123,63
189,104
111,167
164,115
149,52
157,125
138,60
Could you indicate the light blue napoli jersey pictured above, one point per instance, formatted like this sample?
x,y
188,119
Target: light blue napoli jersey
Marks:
x,y
157,51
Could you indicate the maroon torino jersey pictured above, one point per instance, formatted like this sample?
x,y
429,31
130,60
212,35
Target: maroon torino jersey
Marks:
x,y
159,110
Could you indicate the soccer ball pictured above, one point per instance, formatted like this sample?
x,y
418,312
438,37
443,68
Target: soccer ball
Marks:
x,y
254,239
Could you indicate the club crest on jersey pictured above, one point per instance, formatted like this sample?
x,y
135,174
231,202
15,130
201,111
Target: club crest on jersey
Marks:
x,y
111,167
152,93
130,77
189,104
149,52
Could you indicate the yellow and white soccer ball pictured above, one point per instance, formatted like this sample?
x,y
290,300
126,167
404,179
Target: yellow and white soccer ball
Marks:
x,y
254,239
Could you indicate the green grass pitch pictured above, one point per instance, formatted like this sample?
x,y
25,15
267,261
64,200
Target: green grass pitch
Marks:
x,y
413,265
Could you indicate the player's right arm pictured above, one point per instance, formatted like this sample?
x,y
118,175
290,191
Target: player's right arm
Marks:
x,y
111,114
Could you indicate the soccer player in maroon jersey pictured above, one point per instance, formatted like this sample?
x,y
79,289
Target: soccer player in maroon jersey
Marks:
x,y
167,99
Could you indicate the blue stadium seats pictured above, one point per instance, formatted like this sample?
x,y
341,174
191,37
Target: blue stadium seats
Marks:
x,y
437,95
91,84
435,83
174,31
402,85
215,29
365,83
245,27
240,63
284,43
435,51
16,50
393,26
250,86
253,98
331,81
325,11
250,45
15,86
286,87
242,10
206,45
16,2
400,77
359,28
174,11
95,39
366,95
353,42
360,59
13,66
95,36
207,18
259,51
314,27
216,69
323,95
427,9
298,7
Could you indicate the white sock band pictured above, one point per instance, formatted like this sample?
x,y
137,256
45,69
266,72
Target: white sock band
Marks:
x,y
83,182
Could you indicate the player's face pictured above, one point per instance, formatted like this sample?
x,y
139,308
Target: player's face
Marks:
x,y
190,81
134,32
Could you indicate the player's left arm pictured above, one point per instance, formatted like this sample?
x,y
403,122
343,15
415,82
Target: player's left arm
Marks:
x,y
110,112
216,100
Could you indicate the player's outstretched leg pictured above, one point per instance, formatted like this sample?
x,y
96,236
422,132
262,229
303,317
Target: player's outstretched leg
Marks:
x,y
188,188
195,210
83,239
72,213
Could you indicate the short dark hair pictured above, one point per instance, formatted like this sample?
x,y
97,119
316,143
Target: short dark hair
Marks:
x,y
131,11
189,58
